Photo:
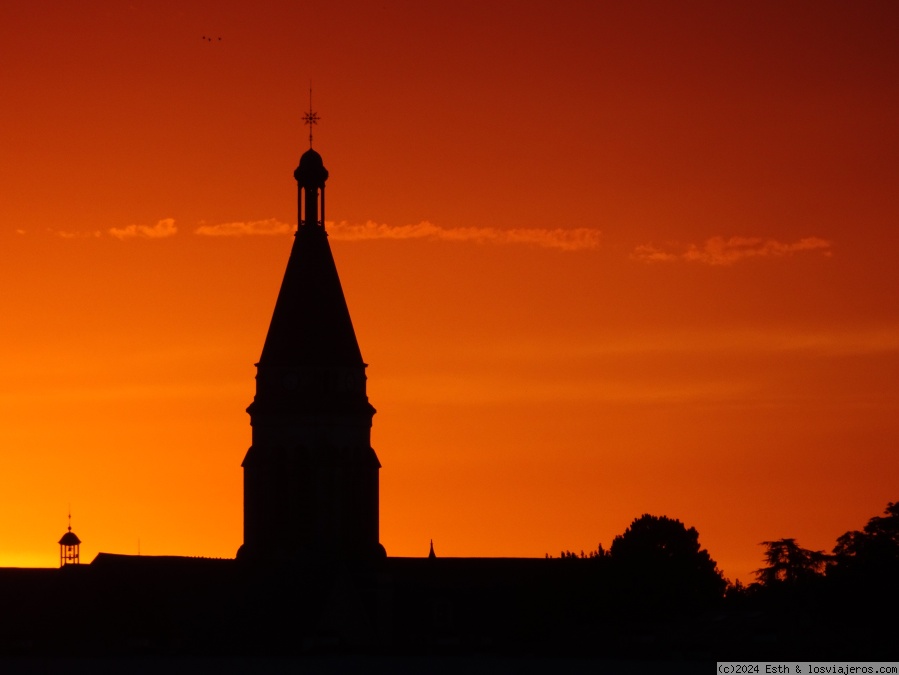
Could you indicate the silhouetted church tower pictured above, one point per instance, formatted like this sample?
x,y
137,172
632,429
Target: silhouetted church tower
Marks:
x,y
311,475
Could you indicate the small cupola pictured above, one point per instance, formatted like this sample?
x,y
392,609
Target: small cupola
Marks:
x,y
311,173
69,547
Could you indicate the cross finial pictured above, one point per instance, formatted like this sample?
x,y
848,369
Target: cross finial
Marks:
x,y
311,118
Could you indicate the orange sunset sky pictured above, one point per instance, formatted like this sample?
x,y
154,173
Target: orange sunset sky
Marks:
x,y
603,259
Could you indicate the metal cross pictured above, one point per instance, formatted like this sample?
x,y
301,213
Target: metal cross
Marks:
x,y
311,118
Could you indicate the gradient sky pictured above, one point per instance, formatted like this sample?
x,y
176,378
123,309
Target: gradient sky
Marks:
x,y
603,259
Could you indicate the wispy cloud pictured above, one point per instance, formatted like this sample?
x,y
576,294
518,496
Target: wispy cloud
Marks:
x,y
564,239
242,229
76,235
721,251
558,238
163,228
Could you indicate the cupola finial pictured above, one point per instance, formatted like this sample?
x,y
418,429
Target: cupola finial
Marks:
x,y
311,118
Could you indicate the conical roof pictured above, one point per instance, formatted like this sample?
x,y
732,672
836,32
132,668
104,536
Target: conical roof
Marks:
x,y
311,323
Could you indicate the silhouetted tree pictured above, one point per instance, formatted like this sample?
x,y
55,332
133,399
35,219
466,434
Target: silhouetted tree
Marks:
x,y
874,549
661,565
864,581
842,604
787,562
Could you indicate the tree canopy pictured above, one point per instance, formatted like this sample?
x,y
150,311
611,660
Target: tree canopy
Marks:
x,y
873,549
789,563
661,562
882,531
